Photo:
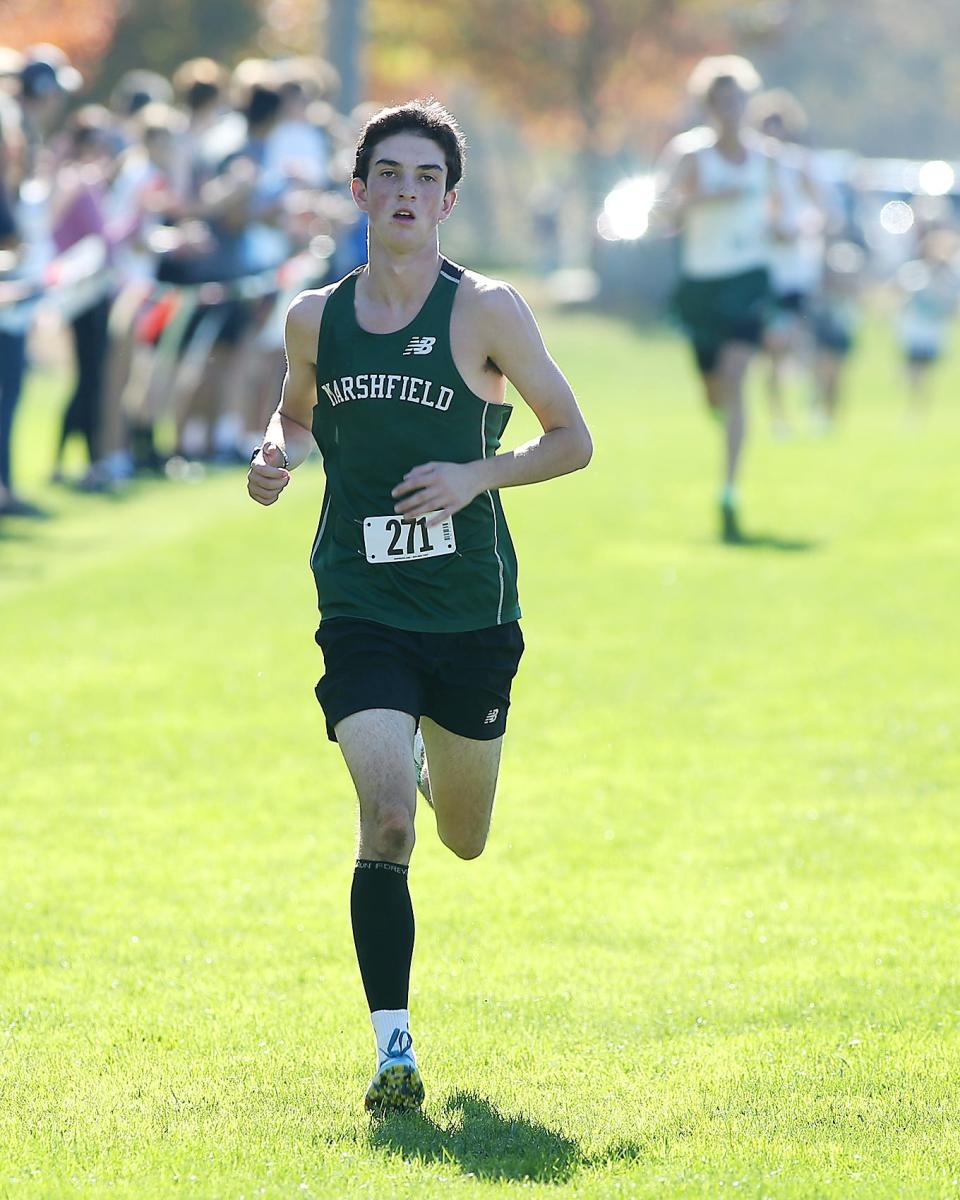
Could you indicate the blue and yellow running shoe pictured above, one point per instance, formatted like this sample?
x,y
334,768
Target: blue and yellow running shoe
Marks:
x,y
397,1085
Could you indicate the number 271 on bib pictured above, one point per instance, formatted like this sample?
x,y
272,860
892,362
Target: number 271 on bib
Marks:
x,y
405,539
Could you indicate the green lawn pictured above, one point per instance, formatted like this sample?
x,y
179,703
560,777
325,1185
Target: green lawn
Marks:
x,y
713,947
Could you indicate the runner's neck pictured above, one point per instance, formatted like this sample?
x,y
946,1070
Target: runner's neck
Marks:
x,y
731,146
398,284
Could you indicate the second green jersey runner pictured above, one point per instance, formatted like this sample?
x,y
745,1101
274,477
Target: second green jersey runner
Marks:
x,y
387,403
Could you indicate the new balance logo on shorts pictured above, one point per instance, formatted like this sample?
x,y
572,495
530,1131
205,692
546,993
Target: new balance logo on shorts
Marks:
x,y
491,716
420,345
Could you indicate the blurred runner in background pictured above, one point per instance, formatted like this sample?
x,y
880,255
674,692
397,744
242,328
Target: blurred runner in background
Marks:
x,y
720,183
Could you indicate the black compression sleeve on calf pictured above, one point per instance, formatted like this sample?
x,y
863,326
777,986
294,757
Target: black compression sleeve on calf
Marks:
x,y
382,917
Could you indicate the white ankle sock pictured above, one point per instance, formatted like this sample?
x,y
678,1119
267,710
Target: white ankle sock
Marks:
x,y
391,1031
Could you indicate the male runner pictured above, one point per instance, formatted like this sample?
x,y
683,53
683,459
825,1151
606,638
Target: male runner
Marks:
x,y
398,373
720,182
929,287
797,250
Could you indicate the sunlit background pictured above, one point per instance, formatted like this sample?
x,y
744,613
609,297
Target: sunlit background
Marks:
x,y
568,102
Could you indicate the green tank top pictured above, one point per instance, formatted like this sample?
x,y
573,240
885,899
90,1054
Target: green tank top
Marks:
x,y
387,403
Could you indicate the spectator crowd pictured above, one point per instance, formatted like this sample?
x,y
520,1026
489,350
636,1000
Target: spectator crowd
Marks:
x,y
168,229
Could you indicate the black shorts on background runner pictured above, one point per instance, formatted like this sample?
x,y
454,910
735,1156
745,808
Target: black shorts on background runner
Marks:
x,y
715,312
794,303
460,680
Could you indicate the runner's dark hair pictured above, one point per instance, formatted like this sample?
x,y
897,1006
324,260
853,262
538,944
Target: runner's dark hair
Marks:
x,y
426,117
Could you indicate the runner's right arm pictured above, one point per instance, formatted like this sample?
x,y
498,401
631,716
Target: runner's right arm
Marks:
x,y
289,431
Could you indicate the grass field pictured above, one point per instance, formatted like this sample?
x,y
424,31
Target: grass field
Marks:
x,y
713,947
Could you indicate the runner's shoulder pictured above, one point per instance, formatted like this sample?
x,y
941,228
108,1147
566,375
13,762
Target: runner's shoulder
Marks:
x,y
687,145
491,301
768,147
306,310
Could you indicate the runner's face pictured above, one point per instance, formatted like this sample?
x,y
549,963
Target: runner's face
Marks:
x,y
727,103
405,192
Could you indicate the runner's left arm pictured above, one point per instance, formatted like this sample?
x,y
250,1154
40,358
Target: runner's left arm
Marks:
x,y
514,344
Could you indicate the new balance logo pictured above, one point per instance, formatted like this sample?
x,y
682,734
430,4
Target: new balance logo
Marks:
x,y
491,716
420,345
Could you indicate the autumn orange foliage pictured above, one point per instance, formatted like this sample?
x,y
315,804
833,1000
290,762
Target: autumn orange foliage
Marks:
x,y
572,71
83,29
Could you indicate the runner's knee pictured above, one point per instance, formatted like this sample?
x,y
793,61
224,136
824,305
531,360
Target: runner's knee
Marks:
x,y
389,831
464,844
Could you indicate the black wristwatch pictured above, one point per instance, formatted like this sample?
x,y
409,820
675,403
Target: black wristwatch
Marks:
x,y
286,461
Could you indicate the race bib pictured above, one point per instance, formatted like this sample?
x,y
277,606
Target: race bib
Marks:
x,y
403,539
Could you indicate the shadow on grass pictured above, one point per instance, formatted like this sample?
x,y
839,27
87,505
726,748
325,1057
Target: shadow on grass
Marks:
x,y
482,1141
18,534
770,541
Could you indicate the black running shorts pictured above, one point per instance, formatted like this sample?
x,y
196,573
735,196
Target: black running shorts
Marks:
x,y
460,680
716,312
794,303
